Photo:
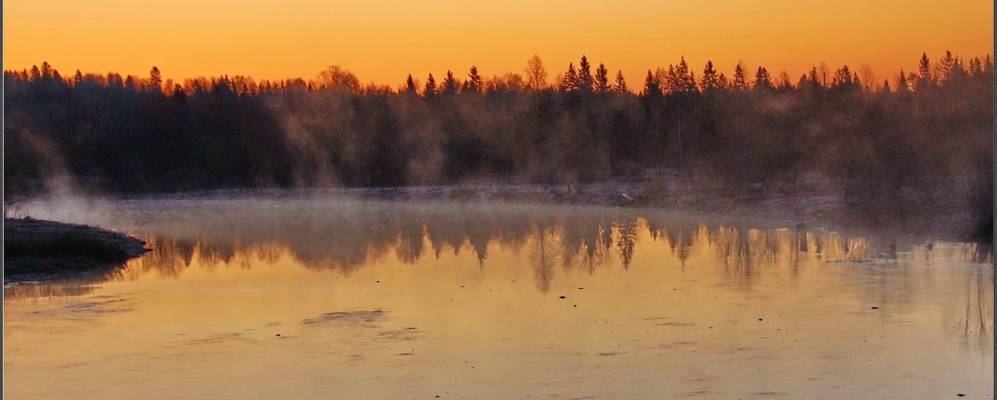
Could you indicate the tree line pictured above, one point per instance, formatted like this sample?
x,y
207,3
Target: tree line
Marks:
x,y
912,140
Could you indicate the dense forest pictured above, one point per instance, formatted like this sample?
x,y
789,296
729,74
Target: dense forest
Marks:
x,y
916,140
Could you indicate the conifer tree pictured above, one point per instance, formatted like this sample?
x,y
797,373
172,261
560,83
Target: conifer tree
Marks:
x,y
155,78
46,71
683,79
710,81
602,79
410,85
844,78
473,84
450,84
570,80
762,79
430,89
652,87
740,79
621,83
925,78
584,82
945,66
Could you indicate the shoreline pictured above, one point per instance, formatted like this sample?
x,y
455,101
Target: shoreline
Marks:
x,y
38,249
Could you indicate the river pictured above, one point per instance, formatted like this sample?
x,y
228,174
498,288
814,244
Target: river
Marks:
x,y
309,296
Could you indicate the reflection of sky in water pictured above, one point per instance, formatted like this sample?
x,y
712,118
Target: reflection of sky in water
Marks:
x,y
383,300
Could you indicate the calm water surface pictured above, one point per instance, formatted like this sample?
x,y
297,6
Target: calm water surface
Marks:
x,y
309,297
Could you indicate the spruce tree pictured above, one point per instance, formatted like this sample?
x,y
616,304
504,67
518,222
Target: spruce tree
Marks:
x,y
652,87
430,89
621,83
684,81
155,79
473,84
570,80
602,79
762,79
584,82
410,85
740,79
925,78
450,85
710,80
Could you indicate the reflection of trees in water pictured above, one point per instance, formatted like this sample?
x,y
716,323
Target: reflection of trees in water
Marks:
x,y
626,241
731,246
167,256
976,327
744,252
570,243
31,291
346,235
544,256
958,252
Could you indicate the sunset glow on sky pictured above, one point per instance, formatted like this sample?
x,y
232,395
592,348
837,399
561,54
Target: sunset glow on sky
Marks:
x,y
383,40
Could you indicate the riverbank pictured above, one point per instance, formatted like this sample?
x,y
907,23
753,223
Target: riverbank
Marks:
x,y
41,249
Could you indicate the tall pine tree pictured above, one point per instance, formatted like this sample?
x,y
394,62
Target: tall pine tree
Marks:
x,y
473,84
584,82
430,89
621,83
570,80
740,77
602,79
652,86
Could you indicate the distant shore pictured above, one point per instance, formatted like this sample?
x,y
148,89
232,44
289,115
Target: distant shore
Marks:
x,y
41,249
949,220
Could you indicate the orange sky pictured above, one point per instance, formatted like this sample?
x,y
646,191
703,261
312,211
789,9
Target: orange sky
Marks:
x,y
383,40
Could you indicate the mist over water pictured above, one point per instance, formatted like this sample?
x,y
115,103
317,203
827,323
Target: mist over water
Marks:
x,y
311,294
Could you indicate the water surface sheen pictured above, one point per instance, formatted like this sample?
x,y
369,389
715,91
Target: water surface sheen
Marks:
x,y
309,297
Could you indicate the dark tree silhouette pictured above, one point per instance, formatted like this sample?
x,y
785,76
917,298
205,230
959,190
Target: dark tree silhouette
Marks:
x,y
620,85
155,78
430,89
473,84
925,79
711,80
762,79
410,86
450,85
652,87
569,82
740,77
602,79
585,81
